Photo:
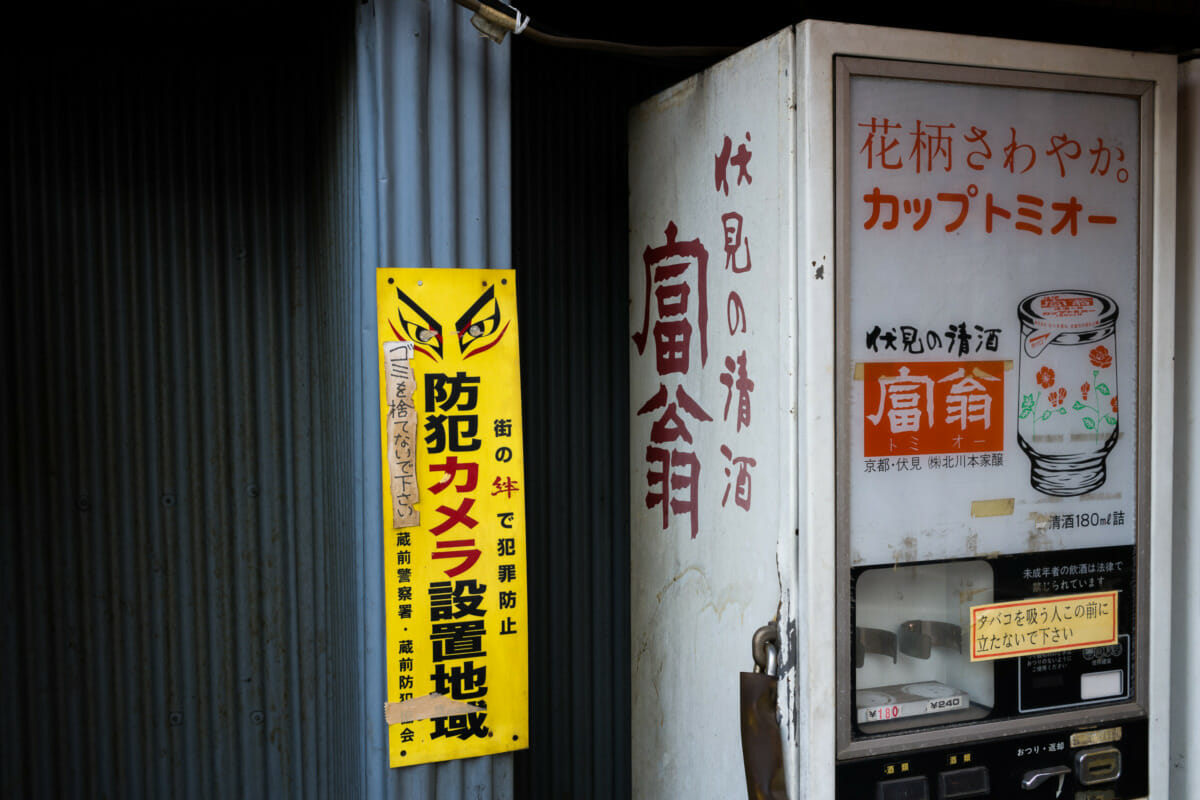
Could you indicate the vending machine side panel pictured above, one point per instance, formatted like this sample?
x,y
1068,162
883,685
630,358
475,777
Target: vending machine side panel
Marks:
x,y
1185,737
711,409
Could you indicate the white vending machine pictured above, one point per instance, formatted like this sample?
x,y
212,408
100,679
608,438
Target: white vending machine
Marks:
x,y
901,336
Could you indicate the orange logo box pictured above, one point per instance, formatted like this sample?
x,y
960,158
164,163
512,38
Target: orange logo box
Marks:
x,y
925,407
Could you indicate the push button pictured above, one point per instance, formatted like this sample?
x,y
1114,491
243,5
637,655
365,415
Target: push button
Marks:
x,y
963,783
903,789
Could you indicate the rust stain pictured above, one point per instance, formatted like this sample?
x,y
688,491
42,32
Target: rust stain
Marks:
x,y
965,597
1037,541
907,550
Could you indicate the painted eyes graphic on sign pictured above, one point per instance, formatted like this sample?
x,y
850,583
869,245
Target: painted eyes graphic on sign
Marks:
x,y
480,328
477,328
418,327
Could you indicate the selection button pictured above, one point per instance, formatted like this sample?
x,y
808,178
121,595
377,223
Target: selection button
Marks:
x,y
960,784
903,789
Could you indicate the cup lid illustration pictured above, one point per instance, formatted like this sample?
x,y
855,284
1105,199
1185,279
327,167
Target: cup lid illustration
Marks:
x,y
1065,317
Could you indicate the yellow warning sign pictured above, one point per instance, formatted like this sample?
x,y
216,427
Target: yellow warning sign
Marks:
x,y
453,514
1043,625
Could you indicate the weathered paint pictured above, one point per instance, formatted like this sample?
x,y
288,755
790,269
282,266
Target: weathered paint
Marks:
x,y
702,581
1185,739
676,597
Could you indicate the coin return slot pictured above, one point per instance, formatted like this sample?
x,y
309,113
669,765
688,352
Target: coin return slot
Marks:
x,y
1100,765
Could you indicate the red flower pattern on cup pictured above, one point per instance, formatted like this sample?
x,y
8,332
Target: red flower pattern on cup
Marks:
x,y
1045,377
1083,390
1100,357
1056,398
1114,404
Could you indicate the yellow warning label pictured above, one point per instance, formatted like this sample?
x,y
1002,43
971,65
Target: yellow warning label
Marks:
x,y
453,481
1043,625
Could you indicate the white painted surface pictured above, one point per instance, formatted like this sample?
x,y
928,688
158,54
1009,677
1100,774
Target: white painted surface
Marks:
x,y
699,593
696,601
1185,737
921,276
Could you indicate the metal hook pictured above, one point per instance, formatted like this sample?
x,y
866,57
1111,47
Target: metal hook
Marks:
x,y
764,647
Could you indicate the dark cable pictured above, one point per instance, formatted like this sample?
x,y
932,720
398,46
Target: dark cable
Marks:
x,y
600,45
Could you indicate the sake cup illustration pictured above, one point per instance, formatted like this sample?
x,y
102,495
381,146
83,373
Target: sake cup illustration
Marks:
x,y
1067,415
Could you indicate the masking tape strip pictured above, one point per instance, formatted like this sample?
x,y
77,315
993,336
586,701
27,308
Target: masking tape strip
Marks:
x,y
431,706
497,17
1000,507
1089,738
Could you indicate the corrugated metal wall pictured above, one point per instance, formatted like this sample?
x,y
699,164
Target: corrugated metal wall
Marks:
x,y
192,213
433,142
179,559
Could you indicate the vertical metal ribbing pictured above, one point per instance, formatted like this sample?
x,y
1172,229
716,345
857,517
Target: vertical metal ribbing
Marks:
x,y
435,178
177,228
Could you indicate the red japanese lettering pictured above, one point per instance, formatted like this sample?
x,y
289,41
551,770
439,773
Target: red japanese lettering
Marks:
x,y
879,144
670,284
